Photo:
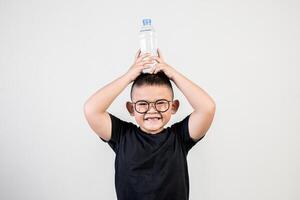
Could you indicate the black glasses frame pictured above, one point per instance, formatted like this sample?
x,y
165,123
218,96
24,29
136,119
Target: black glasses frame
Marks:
x,y
148,106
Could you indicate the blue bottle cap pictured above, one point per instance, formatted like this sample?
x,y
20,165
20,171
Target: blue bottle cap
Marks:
x,y
146,22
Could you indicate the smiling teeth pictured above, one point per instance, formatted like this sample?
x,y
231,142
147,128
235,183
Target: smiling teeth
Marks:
x,y
156,118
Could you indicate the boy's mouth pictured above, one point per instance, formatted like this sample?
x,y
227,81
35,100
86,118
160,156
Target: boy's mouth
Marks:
x,y
152,118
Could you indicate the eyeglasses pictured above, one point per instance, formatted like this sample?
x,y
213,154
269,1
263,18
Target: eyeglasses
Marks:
x,y
142,106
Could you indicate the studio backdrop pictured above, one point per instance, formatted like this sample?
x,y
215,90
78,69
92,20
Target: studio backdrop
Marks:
x,y
55,54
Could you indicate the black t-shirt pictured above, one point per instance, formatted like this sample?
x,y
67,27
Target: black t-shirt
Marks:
x,y
151,166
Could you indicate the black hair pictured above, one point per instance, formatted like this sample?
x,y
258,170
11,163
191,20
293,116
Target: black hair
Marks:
x,y
160,78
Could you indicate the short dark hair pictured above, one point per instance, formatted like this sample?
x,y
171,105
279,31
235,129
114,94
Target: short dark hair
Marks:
x,y
160,78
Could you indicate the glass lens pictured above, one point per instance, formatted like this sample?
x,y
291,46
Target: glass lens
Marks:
x,y
162,105
141,106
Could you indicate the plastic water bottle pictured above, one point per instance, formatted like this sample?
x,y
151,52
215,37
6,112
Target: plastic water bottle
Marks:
x,y
148,41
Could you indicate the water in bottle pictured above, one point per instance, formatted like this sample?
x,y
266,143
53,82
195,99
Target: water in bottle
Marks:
x,y
148,40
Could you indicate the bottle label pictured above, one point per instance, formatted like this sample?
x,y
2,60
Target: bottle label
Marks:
x,y
143,30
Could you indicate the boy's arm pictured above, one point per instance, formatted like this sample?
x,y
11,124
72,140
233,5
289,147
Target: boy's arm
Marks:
x,y
203,105
95,107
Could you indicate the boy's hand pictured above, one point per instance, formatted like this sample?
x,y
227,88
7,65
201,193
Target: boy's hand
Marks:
x,y
140,63
162,66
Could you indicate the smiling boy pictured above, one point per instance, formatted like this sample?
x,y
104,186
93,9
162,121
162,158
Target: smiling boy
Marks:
x,y
150,161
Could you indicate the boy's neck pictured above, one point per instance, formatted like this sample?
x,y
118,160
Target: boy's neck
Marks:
x,y
152,132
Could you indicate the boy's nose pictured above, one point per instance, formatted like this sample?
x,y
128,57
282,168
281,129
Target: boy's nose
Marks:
x,y
152,105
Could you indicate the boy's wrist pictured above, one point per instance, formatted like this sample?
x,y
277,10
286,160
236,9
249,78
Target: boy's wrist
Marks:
x,y
174,74
127,77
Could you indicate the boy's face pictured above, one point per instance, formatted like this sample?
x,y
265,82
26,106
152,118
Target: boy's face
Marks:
x,y
148,121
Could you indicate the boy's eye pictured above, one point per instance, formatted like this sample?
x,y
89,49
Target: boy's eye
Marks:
x,y
161,102
142,104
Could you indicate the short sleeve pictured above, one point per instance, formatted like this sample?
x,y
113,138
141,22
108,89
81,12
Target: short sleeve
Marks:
x,y
182,129
118,127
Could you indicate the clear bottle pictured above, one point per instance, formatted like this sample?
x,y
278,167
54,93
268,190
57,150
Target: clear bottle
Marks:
x,y
148,40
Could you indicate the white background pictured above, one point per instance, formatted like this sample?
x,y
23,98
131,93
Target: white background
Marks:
x,y
55,54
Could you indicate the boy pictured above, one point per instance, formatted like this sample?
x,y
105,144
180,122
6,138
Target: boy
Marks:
x,y
150,161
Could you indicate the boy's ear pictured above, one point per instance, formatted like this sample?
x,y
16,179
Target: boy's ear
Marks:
x,y
175,106
130,108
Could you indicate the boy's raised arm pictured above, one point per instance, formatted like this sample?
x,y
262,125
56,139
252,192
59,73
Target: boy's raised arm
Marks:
x,y
203,105
95,108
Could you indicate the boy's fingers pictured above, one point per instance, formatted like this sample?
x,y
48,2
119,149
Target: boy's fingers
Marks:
x,y
159,54
143,56
146,62
154,69
158,59
137,53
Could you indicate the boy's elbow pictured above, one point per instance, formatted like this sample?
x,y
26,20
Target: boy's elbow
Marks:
x,y
212,108
91,109
87,109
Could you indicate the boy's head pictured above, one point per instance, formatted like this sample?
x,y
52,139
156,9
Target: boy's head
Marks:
x,y
156,89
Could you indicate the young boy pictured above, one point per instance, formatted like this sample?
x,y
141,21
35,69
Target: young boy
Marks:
x,y
150,161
